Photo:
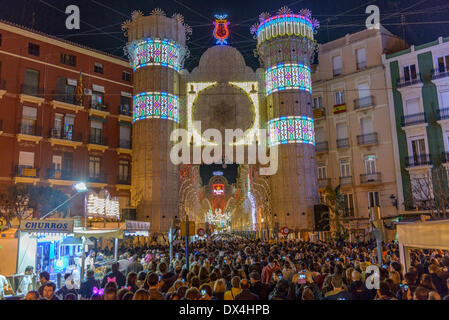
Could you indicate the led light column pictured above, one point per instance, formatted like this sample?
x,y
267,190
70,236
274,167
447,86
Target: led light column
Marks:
x,y
286,46
156,50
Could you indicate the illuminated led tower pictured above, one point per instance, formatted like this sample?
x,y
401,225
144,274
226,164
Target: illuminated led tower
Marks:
x,y
156,50
285,45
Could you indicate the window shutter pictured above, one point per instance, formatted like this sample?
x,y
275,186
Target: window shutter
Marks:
x,y
29,113
26,159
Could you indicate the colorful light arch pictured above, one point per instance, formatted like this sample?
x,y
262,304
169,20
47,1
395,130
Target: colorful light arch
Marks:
x,y
294,129
288,76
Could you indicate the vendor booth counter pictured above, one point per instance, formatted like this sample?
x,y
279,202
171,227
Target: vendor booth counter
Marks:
x,y
421,235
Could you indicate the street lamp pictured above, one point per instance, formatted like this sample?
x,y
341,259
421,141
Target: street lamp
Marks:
x,y
81,187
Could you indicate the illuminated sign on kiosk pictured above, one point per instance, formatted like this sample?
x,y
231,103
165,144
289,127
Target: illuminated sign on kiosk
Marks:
x,y
103,207
47,226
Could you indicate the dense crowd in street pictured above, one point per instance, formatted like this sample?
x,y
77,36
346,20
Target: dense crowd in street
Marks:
x,y
243,269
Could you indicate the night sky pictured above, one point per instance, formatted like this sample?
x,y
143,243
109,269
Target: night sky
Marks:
x,y
425,20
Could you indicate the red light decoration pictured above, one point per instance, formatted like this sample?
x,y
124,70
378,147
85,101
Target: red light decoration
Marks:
x,y
218,189
221,31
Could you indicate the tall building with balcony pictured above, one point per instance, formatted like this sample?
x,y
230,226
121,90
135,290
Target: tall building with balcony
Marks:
x,y
47,136
353,136
418,82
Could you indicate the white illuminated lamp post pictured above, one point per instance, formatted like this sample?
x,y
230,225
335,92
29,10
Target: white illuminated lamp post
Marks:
x,y
81,187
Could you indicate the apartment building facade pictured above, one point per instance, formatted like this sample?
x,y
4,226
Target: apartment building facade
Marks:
x,y
47,135
353,136
418,78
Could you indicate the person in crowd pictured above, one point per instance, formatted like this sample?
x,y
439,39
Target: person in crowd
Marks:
x,y
110,291
267,271
44,277
153,285
114,276
32,295
245,293
87,287
235,290
70,296
357,289
141,294
90,260
193,294
27,280
260,289
131,282
48,291
338,292
67,288
219,289
134,266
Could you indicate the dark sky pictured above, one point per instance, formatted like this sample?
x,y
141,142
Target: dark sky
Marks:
x,y
101,20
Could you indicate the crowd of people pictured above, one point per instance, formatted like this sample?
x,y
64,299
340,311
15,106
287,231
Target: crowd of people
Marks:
x,y
243,269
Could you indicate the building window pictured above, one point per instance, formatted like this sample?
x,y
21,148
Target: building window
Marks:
x,y
444,99
418,147
348,205
31,85
322,172
96,132
317,102
443,63
97,100
68,59
0,39
98,68
342,131
33,49
367,125
29,117
125,137
125,106
126,76
339,97
412,106
26,159
94,166
361,58
370,164
337,65
345,170
410,72
373,199
123,171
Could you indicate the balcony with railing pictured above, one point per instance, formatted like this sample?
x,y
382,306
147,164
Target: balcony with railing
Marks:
x,y
65,175
367,139
322,146
32,90
26,174
97,142
1,126
98,178
343,143
324,182
370,178
124,180
418,160
364,102
361,65
348,212
319,113
99,109
346,181
64,97
126,110
60,137
29,132
440,73
408,81
413,119
124,144
337,72
443,114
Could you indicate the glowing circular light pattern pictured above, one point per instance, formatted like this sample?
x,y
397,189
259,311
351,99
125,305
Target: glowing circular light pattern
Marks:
x,y
285,25
291,130
157,105
288,76
156,52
